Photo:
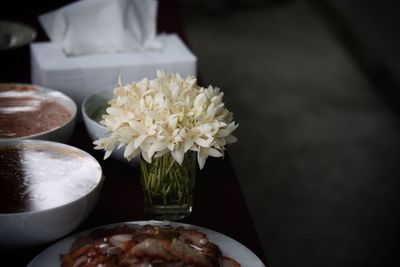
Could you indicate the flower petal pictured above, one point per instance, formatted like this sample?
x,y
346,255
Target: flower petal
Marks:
x,y
201,159
188,143
133,155
202,142
139,140
146,157
107,154
200,101
155,147
178,155
230,139
214,153
130,148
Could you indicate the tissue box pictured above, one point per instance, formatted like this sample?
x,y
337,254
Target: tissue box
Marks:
x,y
81,76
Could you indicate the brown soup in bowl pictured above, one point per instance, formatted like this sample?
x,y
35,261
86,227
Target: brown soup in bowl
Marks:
x,y
27,110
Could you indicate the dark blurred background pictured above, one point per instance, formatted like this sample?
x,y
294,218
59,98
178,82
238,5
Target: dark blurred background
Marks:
x,y
315,88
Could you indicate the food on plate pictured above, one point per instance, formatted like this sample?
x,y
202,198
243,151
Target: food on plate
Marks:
x,y
24,111
147,246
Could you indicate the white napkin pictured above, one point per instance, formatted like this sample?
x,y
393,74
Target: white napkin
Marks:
x,y
104,26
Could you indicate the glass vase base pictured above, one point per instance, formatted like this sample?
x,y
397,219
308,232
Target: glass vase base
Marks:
x,y
169,212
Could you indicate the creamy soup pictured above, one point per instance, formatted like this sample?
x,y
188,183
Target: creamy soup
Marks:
x,y
37,177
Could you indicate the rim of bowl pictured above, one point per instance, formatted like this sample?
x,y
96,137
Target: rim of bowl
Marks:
x,y
87,99
44,142
24,27
44,90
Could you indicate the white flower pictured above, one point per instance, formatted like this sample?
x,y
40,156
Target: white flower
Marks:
x,y
169,114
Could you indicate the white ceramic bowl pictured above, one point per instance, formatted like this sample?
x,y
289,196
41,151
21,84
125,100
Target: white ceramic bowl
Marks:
x,y
59,196
15,34
91,107
62,132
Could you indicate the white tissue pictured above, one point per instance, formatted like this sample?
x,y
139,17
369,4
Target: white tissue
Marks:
x,y
104,26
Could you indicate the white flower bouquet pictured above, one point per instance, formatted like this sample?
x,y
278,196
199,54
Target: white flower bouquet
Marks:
x,y
169,114
167,120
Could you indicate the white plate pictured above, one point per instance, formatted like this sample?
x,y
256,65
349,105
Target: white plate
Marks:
x,y
229,247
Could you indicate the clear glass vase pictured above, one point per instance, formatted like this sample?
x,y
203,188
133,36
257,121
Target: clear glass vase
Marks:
x,y
168,186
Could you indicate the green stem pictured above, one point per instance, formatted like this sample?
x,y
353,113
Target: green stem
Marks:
x,y
166,182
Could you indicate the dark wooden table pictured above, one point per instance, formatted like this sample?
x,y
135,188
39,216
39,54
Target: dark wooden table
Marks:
x,y
218,200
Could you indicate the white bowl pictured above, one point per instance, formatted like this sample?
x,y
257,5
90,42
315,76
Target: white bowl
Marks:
x,y
90,110
62,132
62,184
15,34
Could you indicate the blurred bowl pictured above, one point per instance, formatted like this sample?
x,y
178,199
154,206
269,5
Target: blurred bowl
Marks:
x,y
93,107
33,112
15,34
47,189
